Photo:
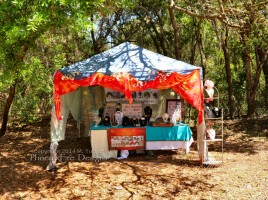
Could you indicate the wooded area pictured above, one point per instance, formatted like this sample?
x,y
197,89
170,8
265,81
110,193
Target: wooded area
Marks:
x,y
228,39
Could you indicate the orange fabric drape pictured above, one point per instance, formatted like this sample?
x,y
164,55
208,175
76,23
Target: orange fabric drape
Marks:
x,y
187,86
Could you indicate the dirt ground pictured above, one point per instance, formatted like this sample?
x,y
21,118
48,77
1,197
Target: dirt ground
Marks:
x,y
24,155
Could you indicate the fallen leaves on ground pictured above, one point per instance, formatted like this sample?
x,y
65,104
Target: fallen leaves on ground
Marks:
x,y
24,156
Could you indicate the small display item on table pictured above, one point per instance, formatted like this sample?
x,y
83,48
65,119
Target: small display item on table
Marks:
x,y
118,116
106,121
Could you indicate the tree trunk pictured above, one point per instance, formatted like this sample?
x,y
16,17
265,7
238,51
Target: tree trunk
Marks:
x,y
223,39
158,49
262,62
8,104
265,72
201,49
247,62
175,30
160,38
193,47
229,80
251,84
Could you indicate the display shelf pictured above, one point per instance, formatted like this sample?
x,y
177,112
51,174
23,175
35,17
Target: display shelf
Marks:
x,y
215,123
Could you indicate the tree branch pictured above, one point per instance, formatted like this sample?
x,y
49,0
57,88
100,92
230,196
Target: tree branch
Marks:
x,y
221,14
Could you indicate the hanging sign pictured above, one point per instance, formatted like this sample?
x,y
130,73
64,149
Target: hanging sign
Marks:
x,y
147,96
173,105
132,110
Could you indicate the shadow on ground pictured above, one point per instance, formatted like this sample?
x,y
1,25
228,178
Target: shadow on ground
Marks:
x,y
25,154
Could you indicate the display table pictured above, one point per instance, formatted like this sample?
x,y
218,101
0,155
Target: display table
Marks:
x,y
157,138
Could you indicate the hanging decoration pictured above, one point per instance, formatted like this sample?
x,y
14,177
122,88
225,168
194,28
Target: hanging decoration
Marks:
x,y
188,86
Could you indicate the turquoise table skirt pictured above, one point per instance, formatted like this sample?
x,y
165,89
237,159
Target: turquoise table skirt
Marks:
x,y
174,133
99,127
180,132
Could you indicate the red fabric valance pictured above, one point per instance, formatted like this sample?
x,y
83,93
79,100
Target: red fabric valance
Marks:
x,y
187,86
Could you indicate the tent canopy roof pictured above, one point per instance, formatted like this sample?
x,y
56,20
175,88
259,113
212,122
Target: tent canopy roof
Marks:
x,y
141,63
127,68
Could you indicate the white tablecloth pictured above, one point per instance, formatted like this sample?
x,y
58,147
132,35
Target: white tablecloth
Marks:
x,y
99,145
168,145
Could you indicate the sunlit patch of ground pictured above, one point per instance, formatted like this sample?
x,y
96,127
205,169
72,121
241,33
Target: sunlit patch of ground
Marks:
x,y
24,156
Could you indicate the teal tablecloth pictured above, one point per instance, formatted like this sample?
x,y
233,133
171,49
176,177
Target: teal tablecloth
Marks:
x,y
101,127
173,133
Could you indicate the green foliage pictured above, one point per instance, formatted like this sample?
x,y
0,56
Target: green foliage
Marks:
x,y
39,37
33,92
30,50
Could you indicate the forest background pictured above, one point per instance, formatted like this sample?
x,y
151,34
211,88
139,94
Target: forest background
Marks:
x,y
227,38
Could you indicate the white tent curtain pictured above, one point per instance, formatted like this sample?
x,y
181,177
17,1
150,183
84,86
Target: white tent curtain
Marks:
x,y
70,102
202,147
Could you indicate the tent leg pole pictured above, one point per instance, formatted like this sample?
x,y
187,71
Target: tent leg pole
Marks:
x,y
53,156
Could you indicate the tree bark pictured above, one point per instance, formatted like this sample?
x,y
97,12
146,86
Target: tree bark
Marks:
x,y
201,49
262,61
265,72
193,46
175,30
223,39
251,84
160,38
247,62
8,104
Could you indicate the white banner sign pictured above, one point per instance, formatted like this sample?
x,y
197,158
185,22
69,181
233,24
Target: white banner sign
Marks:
x,y
146,97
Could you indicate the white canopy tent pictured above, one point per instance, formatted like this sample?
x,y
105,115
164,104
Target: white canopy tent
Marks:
x,y
124,68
